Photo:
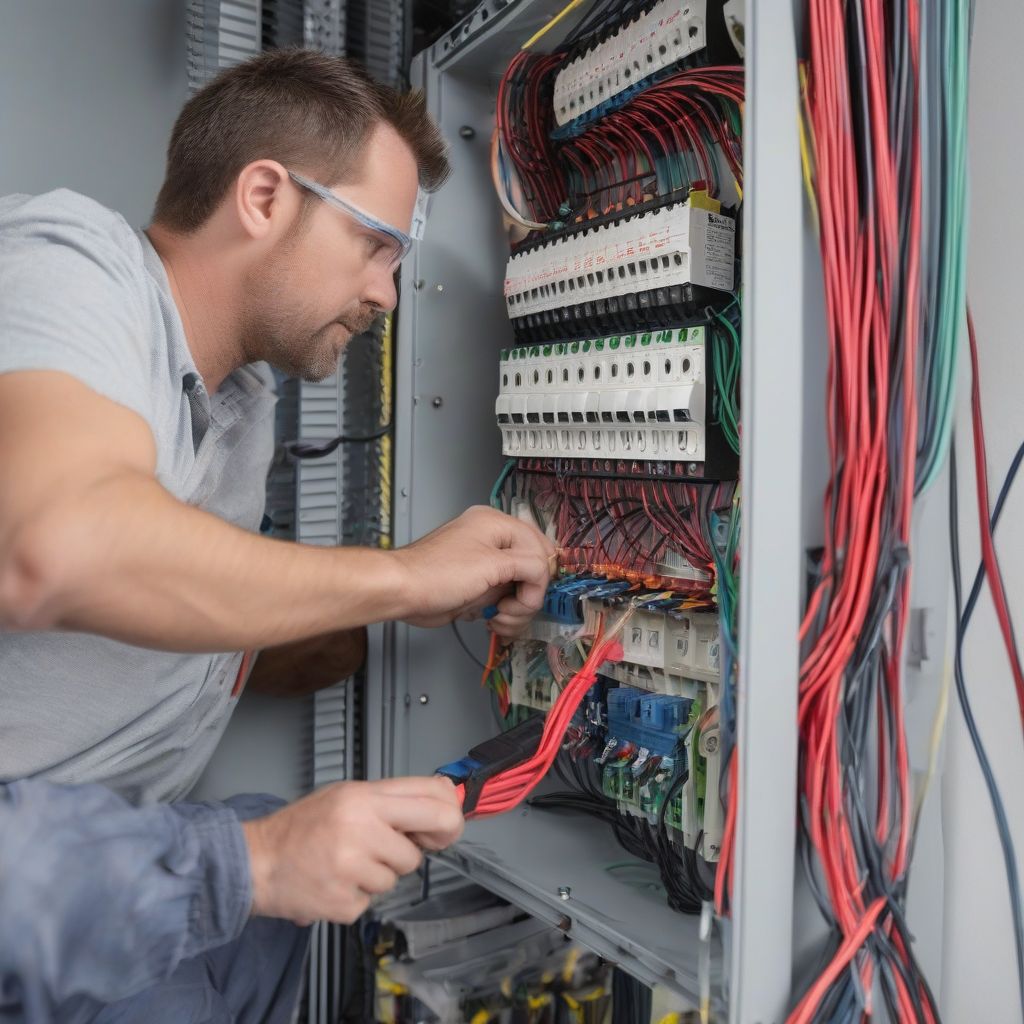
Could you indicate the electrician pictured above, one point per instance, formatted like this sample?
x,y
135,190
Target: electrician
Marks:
x,y
136,431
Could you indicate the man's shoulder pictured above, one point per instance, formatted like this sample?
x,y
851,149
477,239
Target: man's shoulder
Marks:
x,y
65,216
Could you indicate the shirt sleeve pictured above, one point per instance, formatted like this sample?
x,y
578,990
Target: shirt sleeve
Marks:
x,y
102,899
72,296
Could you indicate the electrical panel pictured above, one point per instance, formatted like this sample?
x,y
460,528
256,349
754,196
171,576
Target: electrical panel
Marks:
x,y
571,341
618,415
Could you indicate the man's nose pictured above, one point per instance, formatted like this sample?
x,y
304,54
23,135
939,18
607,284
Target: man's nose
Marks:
x,y
380,289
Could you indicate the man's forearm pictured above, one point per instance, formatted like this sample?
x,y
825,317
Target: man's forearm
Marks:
x,y
305,666
129,561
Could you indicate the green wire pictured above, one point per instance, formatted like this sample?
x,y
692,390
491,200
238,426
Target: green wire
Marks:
x,y
945,332
496,501
727,377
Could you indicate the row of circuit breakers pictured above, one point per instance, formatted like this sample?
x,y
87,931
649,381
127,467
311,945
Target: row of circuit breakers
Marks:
x,y
603,74
643,396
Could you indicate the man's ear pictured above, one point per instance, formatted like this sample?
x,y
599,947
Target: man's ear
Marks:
x,y
264,198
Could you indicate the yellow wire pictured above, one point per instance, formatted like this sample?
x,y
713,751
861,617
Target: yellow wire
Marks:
x,y
480,1017
569,968
672,1018
806,151
571,6
938,727
386,413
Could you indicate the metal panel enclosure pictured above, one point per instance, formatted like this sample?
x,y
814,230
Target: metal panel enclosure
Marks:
x,y
425,705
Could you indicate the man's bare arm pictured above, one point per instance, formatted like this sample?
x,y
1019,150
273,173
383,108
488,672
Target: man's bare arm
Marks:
x,y
305,666
90,541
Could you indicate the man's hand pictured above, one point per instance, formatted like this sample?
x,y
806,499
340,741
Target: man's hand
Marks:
x,y
482,558
327,854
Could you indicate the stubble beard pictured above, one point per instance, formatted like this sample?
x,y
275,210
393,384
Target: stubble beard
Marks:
x,y
287,335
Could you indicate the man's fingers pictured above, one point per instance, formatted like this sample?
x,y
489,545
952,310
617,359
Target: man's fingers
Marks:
x,y
403,854
427,786
421,814
494,596
435,841
511,607
530,593
375,879
513,533
508,628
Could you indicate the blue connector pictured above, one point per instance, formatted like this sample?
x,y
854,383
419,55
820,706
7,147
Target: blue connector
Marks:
x,y
459,771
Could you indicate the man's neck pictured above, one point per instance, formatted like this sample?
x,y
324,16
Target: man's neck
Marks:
x,y
206,304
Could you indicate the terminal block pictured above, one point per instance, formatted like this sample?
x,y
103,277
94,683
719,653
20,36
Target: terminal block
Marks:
x,y
645,397
651,268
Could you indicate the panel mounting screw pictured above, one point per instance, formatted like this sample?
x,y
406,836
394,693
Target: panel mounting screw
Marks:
x,y
440,287
419,284
424,699
467,132
437,402
564,893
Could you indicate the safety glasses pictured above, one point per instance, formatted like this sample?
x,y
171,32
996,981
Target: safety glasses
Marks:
x,y
396,244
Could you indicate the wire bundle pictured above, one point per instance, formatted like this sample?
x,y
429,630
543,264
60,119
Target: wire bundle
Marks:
x,y
495,677
989,567
523,158
727,348
862,97
633,529
727,594
509,788
946,37
666,138
683,875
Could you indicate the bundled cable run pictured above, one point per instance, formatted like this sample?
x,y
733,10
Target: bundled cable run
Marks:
x,y
989,570
508,788
863,99
945,33
655,532
668,138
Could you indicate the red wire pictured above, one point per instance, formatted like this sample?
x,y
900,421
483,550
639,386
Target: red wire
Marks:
x,y
863,266
508,789
993,573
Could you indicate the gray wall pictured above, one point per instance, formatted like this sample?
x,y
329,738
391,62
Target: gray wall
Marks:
x,y
89,90
979,980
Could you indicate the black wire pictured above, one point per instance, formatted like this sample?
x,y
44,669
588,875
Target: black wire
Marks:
x,y
963,621
465,646
425,883
318,449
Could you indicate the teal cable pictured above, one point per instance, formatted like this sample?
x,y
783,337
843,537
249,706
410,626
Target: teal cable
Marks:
x,y
496,501
954,26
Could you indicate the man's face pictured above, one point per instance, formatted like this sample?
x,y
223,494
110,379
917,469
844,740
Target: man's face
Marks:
x,y
330,278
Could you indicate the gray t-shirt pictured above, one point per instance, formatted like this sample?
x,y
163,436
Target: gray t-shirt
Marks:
x,y
83,293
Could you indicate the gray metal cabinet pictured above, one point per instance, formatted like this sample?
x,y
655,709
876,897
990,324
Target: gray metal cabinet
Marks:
x,y
424,703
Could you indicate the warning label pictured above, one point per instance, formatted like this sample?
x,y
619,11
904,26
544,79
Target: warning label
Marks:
x,y
719,250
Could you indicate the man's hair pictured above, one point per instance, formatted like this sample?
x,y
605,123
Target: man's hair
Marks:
x,y
306,109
